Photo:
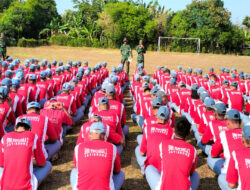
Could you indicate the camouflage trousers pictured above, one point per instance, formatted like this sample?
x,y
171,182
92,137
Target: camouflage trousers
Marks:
x,y
125,61
3,53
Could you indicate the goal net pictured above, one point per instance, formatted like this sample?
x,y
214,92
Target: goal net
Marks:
x,y
179,44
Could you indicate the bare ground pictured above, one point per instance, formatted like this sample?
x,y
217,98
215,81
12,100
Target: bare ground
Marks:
x,y
59,178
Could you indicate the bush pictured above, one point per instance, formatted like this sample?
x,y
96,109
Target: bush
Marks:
x,y
246,52
32,42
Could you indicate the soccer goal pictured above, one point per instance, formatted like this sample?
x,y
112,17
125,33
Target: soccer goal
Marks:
x,y
175,38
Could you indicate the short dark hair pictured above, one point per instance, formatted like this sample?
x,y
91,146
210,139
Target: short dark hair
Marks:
x,y
26,127
182,127
147,89
195,95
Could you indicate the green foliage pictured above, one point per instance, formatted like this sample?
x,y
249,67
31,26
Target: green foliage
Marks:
x,y
32,42
246,21
27,18
5,4
246,52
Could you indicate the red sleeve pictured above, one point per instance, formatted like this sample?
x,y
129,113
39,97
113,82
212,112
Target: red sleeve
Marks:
x,y
11,117
119,129
19,109
51,131
1,154
144,142
202,127
73,106
38,153
117,163
66,119
207,136
78,102
232,173
217,149
113,136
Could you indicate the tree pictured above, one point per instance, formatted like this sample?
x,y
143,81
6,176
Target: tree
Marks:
x,y
5,4
246,22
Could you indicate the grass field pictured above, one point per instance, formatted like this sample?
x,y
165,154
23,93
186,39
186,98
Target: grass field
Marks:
x,y
60,175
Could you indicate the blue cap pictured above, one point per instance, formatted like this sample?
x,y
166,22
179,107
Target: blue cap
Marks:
x,y
37,66
86,72
189,70
222,69
204,95
74,80
246,132
113,79
225,82
11,66
32,67
158,67
113,69
79,76
233,75
97,127
157,102
81,70
154,91
227,70
70,63
23,120
66,86
104,64
4,64
146,78
15,83
145,85
200,90
20,75
103,100
32,77
10,59
163,113
234,83
74,63
96,116
173,75
153,81
200,71
233,114
141,72
164,69
179,67
140,66
67,67
43,74
110,89
60,63
8,73
195,86
172,81
104,85
6,82
54,62
211,82
43,64
4,92
220,108
209,102
49,72
49,65
234,69
241,76
211,69
33,105
206,76
86,63
72,88
161,93
58,70
182,84
195,70
137,77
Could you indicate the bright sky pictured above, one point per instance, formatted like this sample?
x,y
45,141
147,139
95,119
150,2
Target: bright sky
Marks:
x,y
238,8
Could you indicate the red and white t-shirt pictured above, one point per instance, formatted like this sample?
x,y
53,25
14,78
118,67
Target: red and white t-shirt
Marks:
x,y
179,158
68,102
239,168
95,162
235,100
17,151
153,135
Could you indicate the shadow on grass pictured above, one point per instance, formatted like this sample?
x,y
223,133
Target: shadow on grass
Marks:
x,y
208,183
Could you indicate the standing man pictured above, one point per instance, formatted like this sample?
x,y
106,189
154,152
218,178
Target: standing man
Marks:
x,y
2,46
140,51
126,52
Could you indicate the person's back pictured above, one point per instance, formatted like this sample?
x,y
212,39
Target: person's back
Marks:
x,y
178,163
19,145
235,100
99,154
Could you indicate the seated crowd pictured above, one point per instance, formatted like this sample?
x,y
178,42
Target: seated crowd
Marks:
x,y
41,102
214,106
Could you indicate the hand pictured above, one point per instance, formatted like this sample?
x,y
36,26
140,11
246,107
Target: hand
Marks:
x,y
122,142
9,101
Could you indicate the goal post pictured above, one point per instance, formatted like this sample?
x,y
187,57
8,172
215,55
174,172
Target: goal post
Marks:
x,y
175,38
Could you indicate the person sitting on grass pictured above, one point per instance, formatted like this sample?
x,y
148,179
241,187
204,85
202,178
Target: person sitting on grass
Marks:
x,y
97,162
18,148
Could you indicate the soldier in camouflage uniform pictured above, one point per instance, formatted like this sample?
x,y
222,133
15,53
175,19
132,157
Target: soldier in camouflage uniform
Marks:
x,y
2,47
140,51
126,53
